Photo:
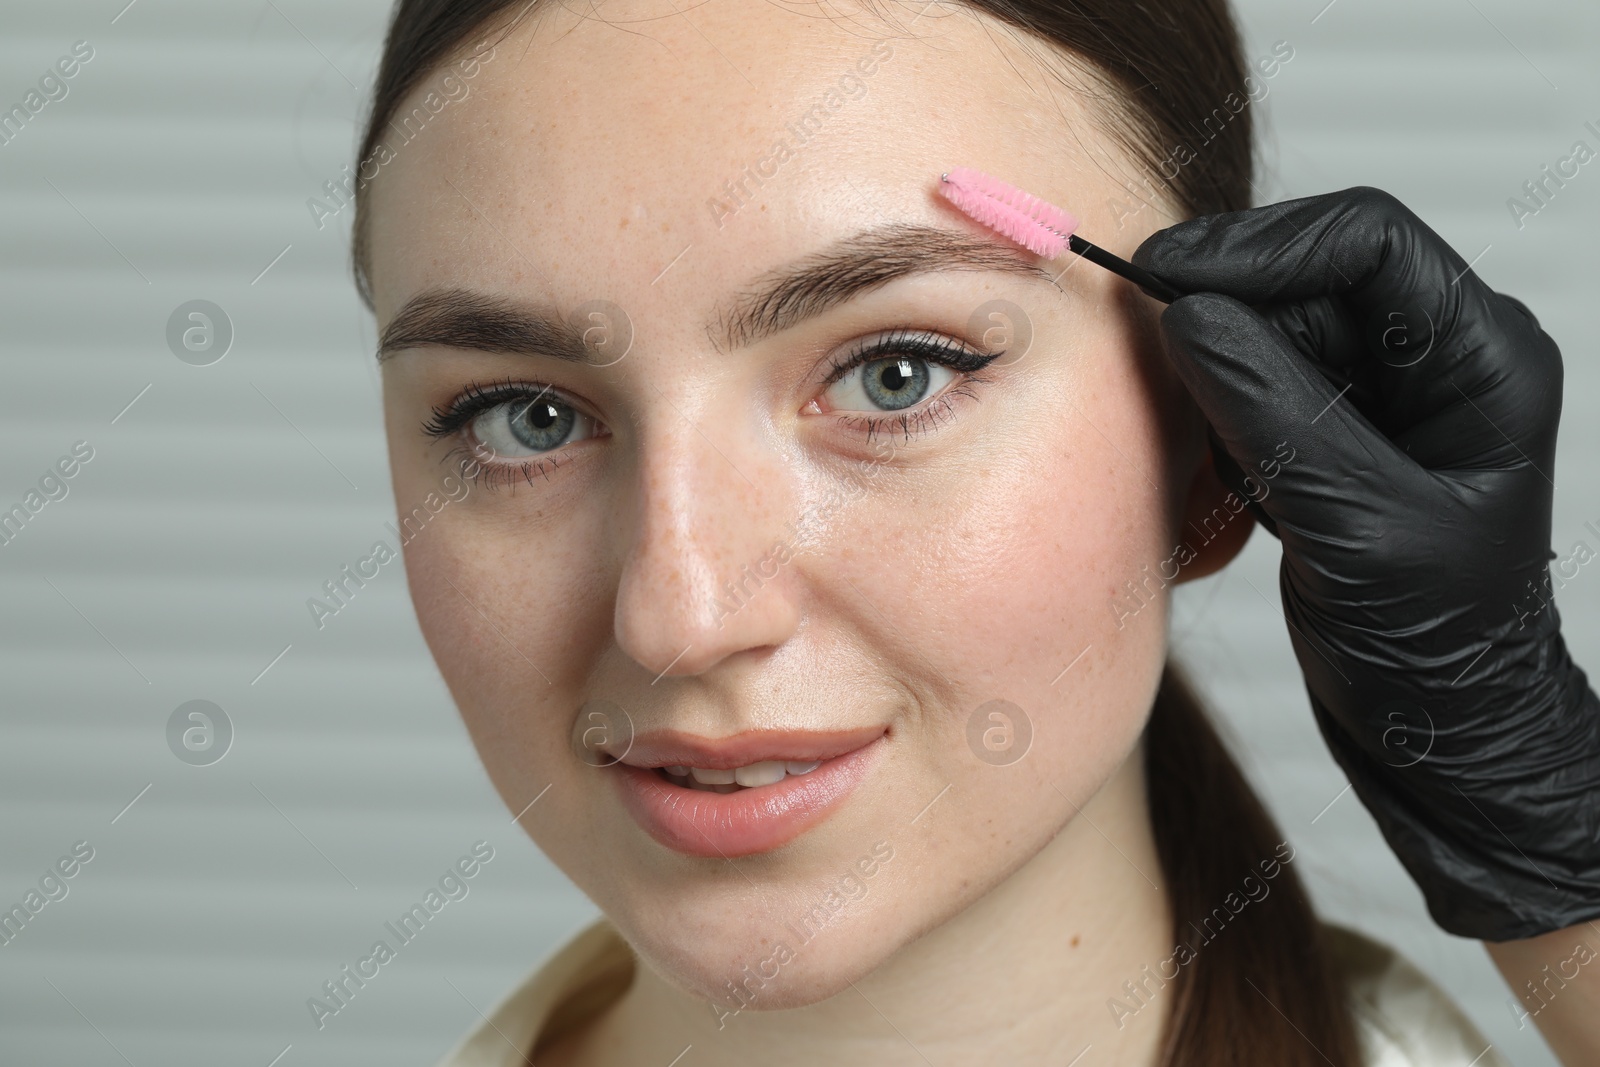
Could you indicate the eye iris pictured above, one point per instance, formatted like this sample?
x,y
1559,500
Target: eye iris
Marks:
x,y
542,424
895,383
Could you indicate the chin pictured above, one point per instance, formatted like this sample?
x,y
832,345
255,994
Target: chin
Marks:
x,y
783,929
765,962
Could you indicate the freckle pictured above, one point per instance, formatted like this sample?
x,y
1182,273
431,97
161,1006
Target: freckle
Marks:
x,y
1074,940
623,225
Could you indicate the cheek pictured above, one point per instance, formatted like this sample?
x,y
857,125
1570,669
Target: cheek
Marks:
x,y
502,590
508,625
513,632
988,576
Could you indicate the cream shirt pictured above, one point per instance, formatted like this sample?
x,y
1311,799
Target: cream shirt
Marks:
x,y
1404,1019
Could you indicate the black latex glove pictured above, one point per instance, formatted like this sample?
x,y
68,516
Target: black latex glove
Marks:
x,y
1415,522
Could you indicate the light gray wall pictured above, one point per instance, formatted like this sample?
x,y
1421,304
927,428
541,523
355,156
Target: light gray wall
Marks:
x,y
177,568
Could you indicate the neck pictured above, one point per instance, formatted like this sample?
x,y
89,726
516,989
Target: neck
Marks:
x,y
1033,971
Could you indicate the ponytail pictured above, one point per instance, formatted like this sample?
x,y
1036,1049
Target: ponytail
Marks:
x,y
1256,981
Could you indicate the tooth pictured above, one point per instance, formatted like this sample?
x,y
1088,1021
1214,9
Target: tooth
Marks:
x,y
760,773
709,776
678,770
796,767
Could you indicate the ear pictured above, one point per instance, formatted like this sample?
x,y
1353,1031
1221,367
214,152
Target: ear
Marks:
x,y
1216,523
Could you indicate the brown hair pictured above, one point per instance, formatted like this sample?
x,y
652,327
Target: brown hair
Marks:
x,y
1256,983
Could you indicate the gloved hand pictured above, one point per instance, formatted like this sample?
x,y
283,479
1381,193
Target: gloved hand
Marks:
x,y
1415,523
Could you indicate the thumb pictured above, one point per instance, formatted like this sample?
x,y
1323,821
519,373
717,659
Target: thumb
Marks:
x,y
1323,471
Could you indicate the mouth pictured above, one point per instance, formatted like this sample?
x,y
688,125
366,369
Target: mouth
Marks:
x,y
751,776
743,795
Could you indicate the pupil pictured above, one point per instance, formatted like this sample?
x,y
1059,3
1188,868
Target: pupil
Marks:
x,y
543,425
898,383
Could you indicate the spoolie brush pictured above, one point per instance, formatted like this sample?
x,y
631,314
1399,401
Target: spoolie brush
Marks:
x,y
1037,225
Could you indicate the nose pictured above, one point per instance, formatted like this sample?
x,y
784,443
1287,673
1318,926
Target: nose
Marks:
x,y
709,567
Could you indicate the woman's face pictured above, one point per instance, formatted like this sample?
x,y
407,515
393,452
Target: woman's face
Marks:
x,y
714,537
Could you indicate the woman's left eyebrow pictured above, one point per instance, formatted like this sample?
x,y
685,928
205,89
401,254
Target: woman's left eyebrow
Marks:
x,y
776,301
857,264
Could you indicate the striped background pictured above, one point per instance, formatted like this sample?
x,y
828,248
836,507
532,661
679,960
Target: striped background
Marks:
x,y
177,568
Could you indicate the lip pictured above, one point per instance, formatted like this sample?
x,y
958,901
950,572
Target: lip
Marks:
x,y
756,819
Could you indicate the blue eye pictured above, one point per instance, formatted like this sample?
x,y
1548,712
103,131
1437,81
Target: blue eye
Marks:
x,y
528,427
891,384
510,420
899,370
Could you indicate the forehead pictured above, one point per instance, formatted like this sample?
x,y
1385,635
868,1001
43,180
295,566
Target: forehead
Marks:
x,y
658,155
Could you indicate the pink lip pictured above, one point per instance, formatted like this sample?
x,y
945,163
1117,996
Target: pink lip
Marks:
x,y
756,819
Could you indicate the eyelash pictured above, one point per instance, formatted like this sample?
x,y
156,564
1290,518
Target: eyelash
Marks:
x,y
449,419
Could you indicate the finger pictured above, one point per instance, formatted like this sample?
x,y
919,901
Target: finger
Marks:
x,y
1330,477
1360,242
1320,329
1434,333
1246,485
1506,424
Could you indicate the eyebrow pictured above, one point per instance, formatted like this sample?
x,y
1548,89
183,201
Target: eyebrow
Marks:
x,y
778,299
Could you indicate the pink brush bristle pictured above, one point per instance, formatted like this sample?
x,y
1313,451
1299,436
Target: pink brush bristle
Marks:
x,y
1039,226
